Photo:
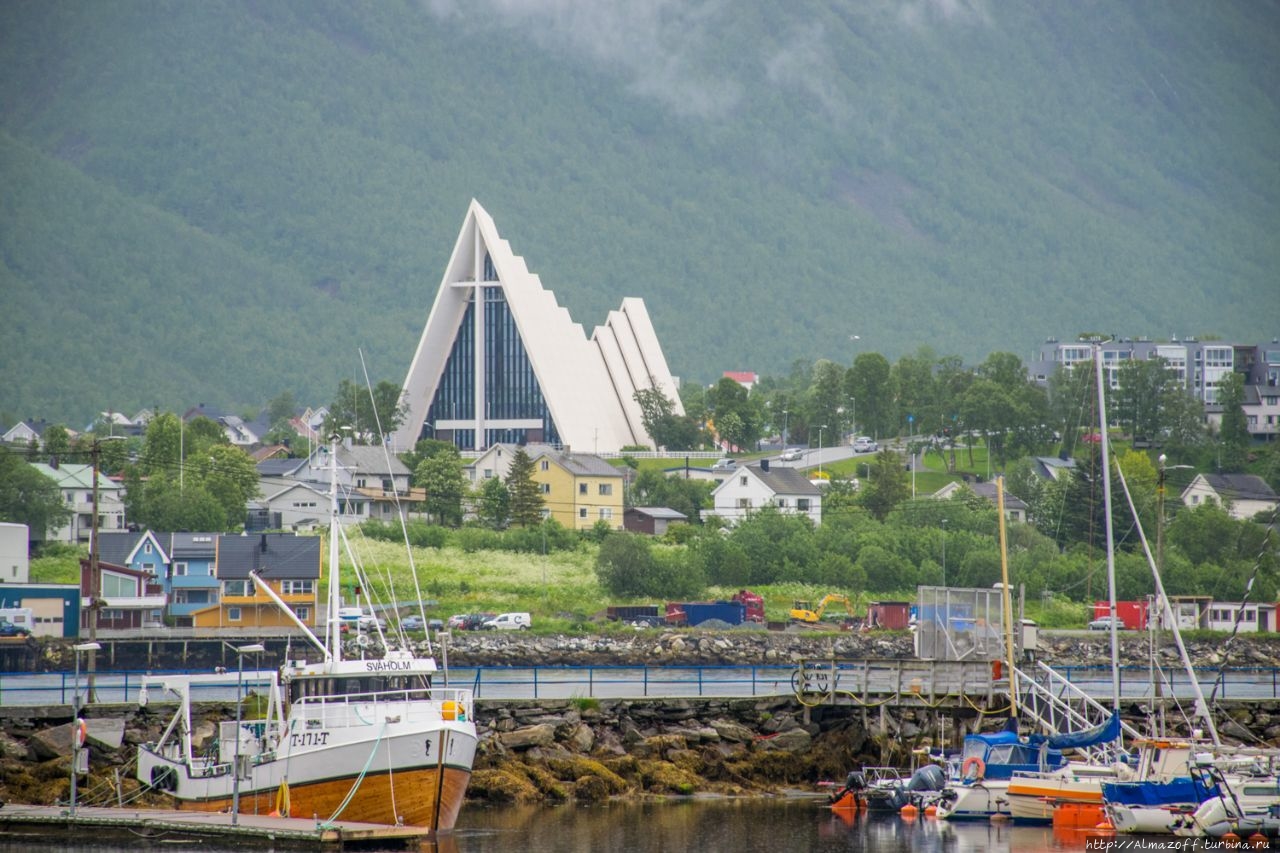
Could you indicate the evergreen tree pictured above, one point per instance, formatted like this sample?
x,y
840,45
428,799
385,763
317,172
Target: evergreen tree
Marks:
x,y
1233,436
888,486
526,494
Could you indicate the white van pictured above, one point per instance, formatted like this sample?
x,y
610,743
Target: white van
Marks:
x,y
508,622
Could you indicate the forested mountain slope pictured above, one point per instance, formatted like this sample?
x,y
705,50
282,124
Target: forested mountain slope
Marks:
x,y
217,201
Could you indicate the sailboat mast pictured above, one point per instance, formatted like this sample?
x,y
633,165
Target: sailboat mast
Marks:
x,y
1007,599
1111,542
333,633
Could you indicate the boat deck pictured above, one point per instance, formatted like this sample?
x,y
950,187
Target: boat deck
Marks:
x,y
147,826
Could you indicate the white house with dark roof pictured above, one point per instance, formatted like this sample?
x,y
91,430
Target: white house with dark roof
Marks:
x,y
750,488
1242,495
76,485
1015,509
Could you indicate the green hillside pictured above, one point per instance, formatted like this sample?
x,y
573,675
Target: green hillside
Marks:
x,y
217,201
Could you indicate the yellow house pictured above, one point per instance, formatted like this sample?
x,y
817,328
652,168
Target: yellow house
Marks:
x,y
289,564
578,489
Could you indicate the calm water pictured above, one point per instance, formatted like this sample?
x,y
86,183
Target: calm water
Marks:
x,y
740,826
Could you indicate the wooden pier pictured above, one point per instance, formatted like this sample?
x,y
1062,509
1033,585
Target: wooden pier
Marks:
x,y
837,681
147,827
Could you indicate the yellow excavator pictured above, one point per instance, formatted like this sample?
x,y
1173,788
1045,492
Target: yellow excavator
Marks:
x,y
805,612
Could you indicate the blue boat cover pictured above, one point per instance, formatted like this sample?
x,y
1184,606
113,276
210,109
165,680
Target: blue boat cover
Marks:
x,y
1108,731
1180,790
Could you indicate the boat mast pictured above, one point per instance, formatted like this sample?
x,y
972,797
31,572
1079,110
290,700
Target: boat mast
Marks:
x,y
332,633
1111,543
1007,599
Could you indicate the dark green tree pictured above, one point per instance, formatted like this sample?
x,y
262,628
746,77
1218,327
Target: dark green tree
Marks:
x,y
28,497
868,387
493,504
526,494
56,443
371,416
1233,435
888,485
442,476
665,427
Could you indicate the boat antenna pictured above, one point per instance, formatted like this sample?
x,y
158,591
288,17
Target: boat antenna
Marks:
x,y
1111,543
333,635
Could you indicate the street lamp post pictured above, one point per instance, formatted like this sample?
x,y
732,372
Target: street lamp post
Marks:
x,y
944,552
240,651
820,429
76,746
784,429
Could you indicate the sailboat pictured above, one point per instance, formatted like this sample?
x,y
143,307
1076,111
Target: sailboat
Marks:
x,y
369,739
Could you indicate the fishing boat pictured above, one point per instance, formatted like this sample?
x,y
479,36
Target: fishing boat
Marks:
x,y
369,738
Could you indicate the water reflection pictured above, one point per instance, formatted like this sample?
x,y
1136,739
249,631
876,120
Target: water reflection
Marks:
x,y
741,826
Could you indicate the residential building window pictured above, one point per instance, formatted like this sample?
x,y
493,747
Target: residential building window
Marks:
x,y
582,488
111,614
388,485
606,489
235,588
780,502
303,613
802,504
744,503
149,568
116,586
606,512
582,512
360,483
488,473
146,549
179,570
545,466
546,488
233,614
297,587
742,481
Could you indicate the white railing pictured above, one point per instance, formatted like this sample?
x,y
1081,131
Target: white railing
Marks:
x,y
1059,707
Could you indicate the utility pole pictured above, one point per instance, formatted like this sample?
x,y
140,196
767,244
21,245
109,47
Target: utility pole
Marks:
x,y
95,585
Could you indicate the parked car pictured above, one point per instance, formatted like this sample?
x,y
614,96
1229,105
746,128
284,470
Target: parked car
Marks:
x,y
367,622
412,623
865,444
8,629
456,621
508,622
475,621
725,464
1104,624
435,625
792,454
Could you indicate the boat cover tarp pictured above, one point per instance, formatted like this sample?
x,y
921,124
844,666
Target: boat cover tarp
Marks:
x,y
1108,731
1180,790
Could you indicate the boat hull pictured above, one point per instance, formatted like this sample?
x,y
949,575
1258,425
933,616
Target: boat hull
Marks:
x,y
1146,820
415,777
1033,802
979,801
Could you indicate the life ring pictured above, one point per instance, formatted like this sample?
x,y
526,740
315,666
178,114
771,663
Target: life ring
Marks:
x,y
81,733
978,765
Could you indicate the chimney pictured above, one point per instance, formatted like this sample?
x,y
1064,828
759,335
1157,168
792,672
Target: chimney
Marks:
x,y
764,465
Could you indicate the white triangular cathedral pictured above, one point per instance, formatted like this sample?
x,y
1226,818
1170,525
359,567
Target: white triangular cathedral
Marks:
x,y
501,361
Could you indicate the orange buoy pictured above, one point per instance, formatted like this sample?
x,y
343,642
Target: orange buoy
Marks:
x,y
1230,839
908,810
1258,840
930,811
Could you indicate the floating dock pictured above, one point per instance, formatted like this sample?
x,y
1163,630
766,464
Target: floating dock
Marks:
x,y
150,826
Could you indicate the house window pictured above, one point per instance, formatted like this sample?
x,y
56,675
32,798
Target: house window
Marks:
x,y
303,613
545,466
235,587
582,488
179,570
488,473
233,614
546,488
111,614
582,512
780,502
742,481
388,485
606,489
802,504
360,482
297,587
744,503
606,512
116,586
146,549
